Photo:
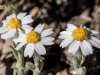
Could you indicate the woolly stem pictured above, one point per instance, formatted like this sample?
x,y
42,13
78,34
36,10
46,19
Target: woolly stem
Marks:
x,y
76,62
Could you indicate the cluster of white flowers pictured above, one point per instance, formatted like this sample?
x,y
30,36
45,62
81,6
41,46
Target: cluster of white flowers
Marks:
x,y
18,29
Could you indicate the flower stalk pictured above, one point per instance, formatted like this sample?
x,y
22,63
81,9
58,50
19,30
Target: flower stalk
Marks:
x,y
76,62
20,68
38,63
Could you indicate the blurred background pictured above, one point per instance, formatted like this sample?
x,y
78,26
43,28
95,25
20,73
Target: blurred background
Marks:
x,y
53,14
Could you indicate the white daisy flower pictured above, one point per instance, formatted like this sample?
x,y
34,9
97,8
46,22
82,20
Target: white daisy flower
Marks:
x,y
79,37
15,23
35,40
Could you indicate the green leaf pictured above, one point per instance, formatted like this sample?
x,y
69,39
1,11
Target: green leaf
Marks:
x,y
15,53
75,63
69,61
35,73
41,64
82,60
81,71
78,55
30,66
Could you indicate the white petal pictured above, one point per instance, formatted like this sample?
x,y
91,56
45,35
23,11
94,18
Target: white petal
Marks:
x,y
66,42
95,40
85,27
27,50
27,19
16,35
67,33
11,33
41,48
31,50
27,28
20,45
39,28
71,26
36,49
13,15
89,47
47,40
71,50
74,46
19,30
81,26
46,32
20,39
3,29
69,29
94,32
16,43
21,15
9,17
63,36
4,22
21,34
84,49
94,43
4,36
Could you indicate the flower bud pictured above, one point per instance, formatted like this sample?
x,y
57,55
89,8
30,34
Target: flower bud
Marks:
x,y
81,71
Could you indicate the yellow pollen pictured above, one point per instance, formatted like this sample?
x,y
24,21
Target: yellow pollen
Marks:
x,y
80,34
14,23
32,37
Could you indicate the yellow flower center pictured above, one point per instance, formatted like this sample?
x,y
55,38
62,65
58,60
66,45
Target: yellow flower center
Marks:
x,y
32,37
14,23
80,34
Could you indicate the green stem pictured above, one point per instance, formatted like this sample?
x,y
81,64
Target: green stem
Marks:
x,y
38,63
20,62
20,67
76,62
14,72
14,52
